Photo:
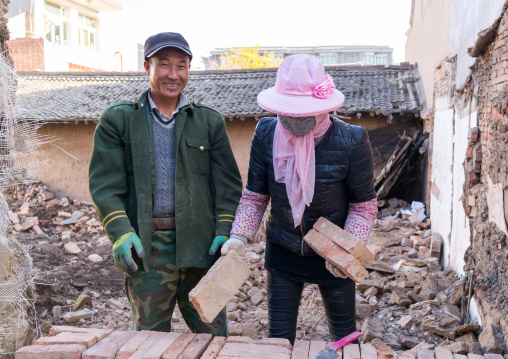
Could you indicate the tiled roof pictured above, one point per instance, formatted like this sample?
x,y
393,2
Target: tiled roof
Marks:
x,y
60,96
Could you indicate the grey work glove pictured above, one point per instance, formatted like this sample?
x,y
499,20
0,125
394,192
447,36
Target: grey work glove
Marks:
x,y
334,270
235,243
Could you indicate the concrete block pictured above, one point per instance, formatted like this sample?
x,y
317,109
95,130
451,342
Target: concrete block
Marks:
x,y
368,351
175,349
196,347
327,249
351,351
86,339
219,285
213,349
316,346
301,349
61,351
347,241
108,347
132,345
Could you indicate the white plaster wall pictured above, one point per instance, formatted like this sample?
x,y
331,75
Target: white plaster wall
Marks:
x,y
461,235
442,165
467,19
17,26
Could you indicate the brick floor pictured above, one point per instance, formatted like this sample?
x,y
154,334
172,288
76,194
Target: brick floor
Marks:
x,y
71,343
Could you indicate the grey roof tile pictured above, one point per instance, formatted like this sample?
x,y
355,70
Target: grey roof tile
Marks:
x,y
60,96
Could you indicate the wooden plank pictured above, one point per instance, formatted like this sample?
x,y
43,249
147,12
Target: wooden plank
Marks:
x,y
301,349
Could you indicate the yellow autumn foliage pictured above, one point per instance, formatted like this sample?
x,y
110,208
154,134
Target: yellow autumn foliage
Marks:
x,y
245,58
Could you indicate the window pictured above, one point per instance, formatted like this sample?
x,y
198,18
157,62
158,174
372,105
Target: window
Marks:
x,y
381,59
86,31
327,58
55,23
349,58
368,58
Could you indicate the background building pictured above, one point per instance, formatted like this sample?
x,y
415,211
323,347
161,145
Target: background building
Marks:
x,y
79,35
329,55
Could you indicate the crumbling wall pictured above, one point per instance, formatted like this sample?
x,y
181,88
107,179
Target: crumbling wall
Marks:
x,y
485,198
4,32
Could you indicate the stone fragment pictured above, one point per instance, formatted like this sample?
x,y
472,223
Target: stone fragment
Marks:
x,y
108,347
72,248
370,283
474,356
490,340
458,348
466,328
327,249
475,348
426,293
95,258
407,355
57,311
219,285
400,298
493,356
434,326
27,224
62,351
115,304
255,295
409,342
364,311
345,240
405,322
459,356
72,317
81,301
392,340
372,328
384,352
424,354
467,338
381,267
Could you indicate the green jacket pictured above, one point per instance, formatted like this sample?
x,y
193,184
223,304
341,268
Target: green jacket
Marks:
x,y
122,178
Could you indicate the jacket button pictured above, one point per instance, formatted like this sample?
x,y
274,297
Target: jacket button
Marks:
x,y
201,148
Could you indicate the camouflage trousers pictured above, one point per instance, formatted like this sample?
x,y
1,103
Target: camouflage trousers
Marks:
x,y
153,294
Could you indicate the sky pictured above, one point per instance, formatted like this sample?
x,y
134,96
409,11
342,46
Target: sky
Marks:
x,y
208,24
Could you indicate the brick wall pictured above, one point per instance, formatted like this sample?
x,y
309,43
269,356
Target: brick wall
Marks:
x,y
27,54
487,158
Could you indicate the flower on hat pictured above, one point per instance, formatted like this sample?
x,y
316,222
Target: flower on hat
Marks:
x,y
324,89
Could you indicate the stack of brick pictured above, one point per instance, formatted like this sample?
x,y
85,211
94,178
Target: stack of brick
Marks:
x,y
423,246
340,248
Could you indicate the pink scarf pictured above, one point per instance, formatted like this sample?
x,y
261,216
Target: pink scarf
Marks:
x,y
294,163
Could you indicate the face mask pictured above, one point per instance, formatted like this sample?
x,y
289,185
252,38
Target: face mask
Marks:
x,y
298,126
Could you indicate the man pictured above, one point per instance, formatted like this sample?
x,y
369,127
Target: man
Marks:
x,y
166,186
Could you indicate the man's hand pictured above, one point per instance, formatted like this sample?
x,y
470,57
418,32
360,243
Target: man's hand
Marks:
x,y
122,250
227,243
334,270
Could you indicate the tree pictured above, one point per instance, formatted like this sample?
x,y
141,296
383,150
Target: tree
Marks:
x,y
245,58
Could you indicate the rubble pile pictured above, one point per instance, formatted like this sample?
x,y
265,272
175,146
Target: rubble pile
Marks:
x,y
407,301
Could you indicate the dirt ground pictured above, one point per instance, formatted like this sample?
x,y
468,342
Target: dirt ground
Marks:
x,y
422,290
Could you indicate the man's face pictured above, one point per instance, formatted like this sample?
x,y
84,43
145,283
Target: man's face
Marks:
x,y
168,72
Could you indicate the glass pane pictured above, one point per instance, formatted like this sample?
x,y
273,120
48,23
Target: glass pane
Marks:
x,y
52,8
49,33
64,28
92,40
57,33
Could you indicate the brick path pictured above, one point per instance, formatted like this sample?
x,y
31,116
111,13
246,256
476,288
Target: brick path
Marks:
x,y
65,342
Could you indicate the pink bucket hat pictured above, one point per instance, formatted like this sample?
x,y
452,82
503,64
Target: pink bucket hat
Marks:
x,y
302,89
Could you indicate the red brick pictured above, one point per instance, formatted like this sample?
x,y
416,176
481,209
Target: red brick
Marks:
x,y
425,354
243,340
60,351
316,346
27,54
255,351
368,351
174,351
275,341
219,285
108,347
336,255
99,333
156,350
384,352
347,241
213,349
408,355
351,351
442,353
301,349
147,345
196,347
132,345
86,339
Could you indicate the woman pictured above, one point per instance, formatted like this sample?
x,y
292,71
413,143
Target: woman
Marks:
x,y
310,165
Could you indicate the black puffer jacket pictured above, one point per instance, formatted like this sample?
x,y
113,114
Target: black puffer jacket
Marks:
x,y
344,174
